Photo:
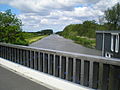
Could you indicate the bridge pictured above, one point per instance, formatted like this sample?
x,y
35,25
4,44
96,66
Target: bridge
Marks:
x,y
63,70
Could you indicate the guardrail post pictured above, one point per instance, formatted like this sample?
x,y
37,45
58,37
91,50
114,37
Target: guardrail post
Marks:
x,y
91,74
35,60
0,51
10,54
82,73
60,67
67,67
13,58
5,52
100,75
24,60
111,78
43,62
39,64
27,58
31,59
15,54
20,56
54,65
49,64
74,70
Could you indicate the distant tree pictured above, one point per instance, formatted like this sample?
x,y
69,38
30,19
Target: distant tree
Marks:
x,y
112,16
89,28
10,28
59,32
46,32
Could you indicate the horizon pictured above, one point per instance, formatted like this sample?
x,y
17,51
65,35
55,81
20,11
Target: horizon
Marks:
x,y
54,14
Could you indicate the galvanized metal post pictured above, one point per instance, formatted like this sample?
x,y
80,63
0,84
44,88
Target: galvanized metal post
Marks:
x,y
39,64
31,65
91,74
49,63
26,53
54,65
111,78
82,73
74,69
17,55
5,52
100,85
14,54
43,62
24,60
35,60
60,67
67,68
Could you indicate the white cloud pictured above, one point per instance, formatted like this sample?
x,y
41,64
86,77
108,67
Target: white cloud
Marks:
x,y
104,4
56,14
45,6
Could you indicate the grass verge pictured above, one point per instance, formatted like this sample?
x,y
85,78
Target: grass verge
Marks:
x,y
87,42
34,39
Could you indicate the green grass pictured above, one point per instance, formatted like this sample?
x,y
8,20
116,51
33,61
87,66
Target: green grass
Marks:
x,y
35,38
32,37
28,35
84,41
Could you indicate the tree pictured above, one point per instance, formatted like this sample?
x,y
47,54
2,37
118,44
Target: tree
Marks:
x,y
10,28
46,32
112,16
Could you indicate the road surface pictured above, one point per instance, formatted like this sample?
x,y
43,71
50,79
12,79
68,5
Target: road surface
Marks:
x,y
56,42
13,81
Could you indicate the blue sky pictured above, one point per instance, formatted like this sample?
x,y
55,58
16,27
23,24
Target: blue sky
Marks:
x,y
38,15
4,7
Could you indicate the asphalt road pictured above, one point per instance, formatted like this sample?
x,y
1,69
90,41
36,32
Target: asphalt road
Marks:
x,y
12,81
56,42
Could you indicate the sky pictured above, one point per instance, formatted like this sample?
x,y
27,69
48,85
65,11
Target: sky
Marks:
x,y
38,15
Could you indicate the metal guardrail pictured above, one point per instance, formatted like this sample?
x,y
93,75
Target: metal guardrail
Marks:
x,y
87,70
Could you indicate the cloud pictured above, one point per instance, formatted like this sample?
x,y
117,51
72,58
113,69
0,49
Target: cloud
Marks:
x,y
56,14
105,4
45,6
